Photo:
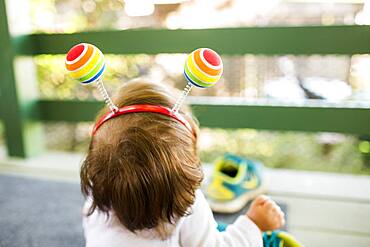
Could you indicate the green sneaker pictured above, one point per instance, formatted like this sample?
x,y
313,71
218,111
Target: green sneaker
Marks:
x,y
279,239
234,182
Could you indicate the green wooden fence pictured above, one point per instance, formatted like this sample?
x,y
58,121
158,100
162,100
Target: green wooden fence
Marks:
x,y
20,116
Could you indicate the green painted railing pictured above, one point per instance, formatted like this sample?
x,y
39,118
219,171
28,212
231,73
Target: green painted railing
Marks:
x,y
235,113
228,41
19,114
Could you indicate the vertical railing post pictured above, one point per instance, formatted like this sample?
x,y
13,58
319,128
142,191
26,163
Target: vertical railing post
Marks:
x,y
23,136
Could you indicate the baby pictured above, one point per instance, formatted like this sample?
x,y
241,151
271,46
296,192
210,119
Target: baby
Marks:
x,y
141,178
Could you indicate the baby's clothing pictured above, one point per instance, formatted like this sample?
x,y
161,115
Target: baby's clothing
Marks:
x,y
197,229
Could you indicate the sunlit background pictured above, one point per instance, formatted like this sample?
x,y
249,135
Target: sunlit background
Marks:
x,y
332,79
321,180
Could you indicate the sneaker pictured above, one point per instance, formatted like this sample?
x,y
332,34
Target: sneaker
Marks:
x,y
279,239
234,182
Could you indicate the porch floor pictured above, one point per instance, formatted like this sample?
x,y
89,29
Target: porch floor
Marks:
x,y
323,208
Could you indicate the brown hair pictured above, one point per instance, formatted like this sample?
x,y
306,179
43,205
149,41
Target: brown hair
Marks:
x,y
142,166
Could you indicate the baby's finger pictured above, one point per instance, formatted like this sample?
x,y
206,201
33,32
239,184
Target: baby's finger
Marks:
x,y
279,221
283,222
275,210
276,214
270,204
261,199
279,209
282,218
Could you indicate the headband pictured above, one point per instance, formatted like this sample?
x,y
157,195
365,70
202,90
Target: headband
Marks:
x,y
143,108
85,63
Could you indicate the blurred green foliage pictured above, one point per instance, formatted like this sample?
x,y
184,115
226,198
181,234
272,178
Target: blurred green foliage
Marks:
x,y
290,150
306,151
294,150
55,83
75,15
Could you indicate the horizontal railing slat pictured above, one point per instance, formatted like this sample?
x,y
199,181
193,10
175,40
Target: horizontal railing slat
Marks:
x,y
302,40
351,120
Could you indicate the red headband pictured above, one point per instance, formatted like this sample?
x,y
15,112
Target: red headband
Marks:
x,y
143,108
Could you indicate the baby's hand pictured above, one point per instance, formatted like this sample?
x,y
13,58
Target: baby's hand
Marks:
x,y
266,214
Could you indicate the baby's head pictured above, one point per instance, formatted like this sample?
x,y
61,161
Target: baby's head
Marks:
x,y
143,167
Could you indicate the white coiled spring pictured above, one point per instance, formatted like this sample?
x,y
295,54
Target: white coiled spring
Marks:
x,y
106,97
185,93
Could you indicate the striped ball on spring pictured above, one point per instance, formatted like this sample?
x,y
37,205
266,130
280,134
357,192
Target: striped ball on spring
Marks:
x,y
85,63
203,67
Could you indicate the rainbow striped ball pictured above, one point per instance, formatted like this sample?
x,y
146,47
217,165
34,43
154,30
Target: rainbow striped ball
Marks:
x,y
85,63
203,67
